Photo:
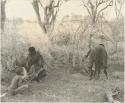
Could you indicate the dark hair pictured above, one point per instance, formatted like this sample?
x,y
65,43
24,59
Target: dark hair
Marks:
x,y
19,70
102,45
32,49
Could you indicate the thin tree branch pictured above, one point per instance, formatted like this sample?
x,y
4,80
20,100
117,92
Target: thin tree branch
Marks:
x,y
57,5
36,8
41,4
92,6
87,8
101,2
109,4
118,10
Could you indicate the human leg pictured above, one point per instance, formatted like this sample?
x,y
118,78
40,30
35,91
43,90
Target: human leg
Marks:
x,y
41,74
105,72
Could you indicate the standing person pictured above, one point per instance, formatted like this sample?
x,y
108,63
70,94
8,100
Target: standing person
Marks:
x,y
98,57
35,65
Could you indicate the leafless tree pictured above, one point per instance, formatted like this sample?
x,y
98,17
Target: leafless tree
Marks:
x,y
50,14
118,6
3,14
96,7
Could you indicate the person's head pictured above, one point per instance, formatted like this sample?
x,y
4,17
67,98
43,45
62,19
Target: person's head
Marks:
x,y
102,45
19,71
32,51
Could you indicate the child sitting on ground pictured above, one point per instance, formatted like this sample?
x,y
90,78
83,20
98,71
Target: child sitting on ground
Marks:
x,y
17,85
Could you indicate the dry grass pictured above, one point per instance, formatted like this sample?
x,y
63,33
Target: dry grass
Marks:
x,y
60,85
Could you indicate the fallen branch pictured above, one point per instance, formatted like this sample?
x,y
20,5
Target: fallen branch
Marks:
x,y
111,94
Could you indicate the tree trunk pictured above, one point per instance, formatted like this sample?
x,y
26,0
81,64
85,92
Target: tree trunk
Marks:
x,y
36,9
90,41
3,15
73,60
93,19
80,61
117,58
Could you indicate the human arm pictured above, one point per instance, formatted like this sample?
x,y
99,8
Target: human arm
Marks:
x,y
25,74
88,53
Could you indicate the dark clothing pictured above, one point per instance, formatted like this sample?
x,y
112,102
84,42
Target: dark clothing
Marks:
x,y
36,60
98,57
35,64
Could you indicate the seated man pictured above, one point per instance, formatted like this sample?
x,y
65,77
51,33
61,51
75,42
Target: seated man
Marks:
x,y
35,64
17,85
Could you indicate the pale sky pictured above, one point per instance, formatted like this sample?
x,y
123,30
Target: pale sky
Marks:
x,y
23,9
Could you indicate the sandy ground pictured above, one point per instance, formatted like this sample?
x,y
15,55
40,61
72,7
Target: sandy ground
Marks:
x,y
62,86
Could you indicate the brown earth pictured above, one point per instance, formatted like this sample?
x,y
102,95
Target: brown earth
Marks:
x,y
61,85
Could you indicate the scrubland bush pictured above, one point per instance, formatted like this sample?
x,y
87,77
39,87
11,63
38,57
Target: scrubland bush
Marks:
x,y
15,44
68,46
75,44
